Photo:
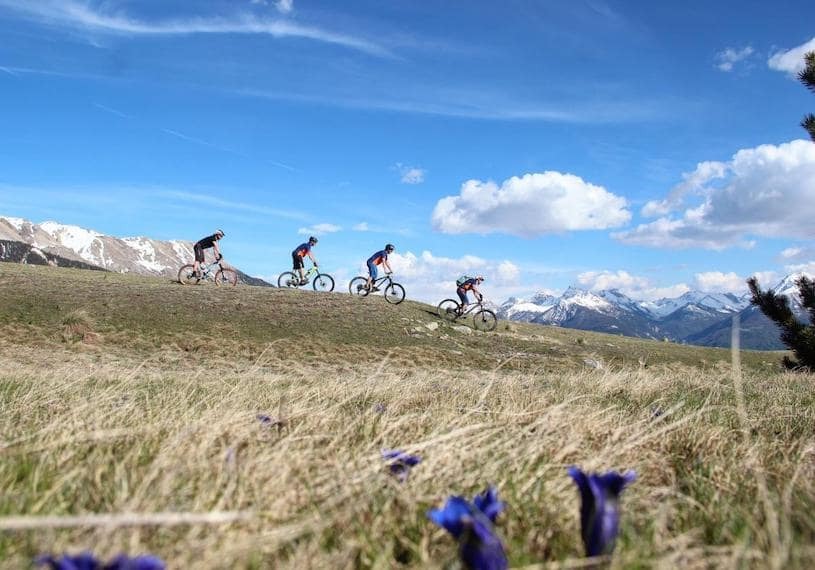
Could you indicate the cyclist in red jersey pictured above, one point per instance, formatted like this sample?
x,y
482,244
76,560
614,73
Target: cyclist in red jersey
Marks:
x,y
470,284
303,250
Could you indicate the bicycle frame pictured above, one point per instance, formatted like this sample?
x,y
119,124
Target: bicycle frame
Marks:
x,y
471,307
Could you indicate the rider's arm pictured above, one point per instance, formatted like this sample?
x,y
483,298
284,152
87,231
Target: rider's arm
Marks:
x,y
477,293
314,261
387,266
217,251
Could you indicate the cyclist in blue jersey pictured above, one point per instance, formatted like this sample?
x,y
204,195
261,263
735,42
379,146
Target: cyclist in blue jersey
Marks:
x,y
470,284
303,250
203,244
379,258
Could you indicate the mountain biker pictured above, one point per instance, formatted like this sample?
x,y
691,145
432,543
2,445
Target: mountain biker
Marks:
x,y
470,284
379,258
303,250
204,244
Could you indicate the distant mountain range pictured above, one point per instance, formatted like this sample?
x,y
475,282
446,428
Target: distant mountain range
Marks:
x,y
71,246
695,317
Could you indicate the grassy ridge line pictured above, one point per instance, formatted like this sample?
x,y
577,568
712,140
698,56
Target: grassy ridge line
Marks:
x,y
130,312
88,433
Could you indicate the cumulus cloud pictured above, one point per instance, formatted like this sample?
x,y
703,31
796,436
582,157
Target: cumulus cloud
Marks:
x,y
529,206
766,191
319,229
718,282
432,278
726,59
791,61
284,6
634,286
361,227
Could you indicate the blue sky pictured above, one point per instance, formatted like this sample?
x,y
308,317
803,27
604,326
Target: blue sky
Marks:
x,y
639,145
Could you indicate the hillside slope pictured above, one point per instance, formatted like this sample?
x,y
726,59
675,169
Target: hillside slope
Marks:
x,y
39,304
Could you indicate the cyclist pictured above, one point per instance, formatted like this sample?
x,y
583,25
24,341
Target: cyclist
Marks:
x,y
204,244
470,284
303,250
379,258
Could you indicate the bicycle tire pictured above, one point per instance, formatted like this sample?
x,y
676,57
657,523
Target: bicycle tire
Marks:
x,y
288,280
485,320
357,286
323,282
187,276
448,310
394,293
226,277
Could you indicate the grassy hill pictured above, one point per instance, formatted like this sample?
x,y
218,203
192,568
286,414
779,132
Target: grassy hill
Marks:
x,y
129,423
139,313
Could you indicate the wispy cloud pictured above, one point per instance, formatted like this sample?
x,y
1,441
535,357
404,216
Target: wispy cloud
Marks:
x,y
70,13
410,174
216,202
319,229
728,58
112,111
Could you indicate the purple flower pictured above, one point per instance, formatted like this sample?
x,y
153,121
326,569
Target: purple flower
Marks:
x,y
400,462
600,507
471,524
87,561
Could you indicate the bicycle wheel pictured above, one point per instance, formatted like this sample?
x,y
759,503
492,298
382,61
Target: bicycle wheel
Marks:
x,y
226,277
323,282
288,279
485,320
448,310
394,293
357,286
187,276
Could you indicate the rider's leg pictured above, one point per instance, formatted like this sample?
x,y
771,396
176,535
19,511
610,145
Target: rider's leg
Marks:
x,y
462,294
297,265
372,273
199,259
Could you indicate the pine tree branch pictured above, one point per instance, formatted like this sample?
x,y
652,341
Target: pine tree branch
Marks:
x,y
809,124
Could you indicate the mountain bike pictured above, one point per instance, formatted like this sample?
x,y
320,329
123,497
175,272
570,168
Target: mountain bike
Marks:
x,y
483,319
321,282
224,275
394,293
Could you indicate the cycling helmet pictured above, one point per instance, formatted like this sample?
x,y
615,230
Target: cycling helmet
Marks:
x,y
313,240
480,278
220,233
389,247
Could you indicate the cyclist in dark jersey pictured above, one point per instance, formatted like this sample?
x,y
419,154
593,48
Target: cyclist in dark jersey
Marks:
x,y
303,250
203,244
379,258
470,284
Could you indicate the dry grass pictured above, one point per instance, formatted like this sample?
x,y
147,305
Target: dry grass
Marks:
x,y
166,455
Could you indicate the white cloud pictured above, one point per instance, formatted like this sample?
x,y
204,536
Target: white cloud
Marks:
x,y
319,229
692,183
79,15
766,191
529,206
791,61
634,286
726,59
361,227
768,278
718,282
410,174
284,6
431,278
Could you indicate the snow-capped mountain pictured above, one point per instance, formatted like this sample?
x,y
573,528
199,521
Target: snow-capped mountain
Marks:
x,y
695,317
139,255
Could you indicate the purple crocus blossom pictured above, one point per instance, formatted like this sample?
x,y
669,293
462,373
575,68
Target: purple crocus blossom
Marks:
x,y
400,463
471,524
600,507
87,561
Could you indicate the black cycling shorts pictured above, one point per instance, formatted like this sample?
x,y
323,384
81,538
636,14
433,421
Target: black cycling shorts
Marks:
x,y
199,253
297,261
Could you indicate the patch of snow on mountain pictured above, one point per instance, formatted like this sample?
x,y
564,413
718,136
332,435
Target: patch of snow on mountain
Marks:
x,y
574,296
77,239
17,223
146,252
527,307
182,250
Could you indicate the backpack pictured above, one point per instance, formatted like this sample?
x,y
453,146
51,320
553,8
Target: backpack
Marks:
x,y
462,280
